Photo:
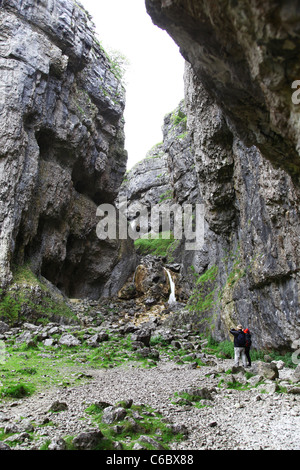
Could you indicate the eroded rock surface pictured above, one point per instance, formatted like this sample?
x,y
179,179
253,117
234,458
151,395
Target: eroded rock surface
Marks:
x,y
62,144
246,54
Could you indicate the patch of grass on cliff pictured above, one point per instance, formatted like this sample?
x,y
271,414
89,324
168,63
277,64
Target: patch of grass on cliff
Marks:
x,y
30,299
154,244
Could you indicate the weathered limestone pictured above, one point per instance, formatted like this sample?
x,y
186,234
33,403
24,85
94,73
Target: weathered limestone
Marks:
x,y
61,144
243,130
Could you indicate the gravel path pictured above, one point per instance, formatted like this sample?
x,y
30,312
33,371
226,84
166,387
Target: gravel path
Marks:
x,y
234,420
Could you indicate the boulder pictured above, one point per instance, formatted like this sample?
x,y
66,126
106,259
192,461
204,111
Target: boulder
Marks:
x,y
142,336
88,440
3,327
267,370
296,374
69,340
57,444
58,406
112,414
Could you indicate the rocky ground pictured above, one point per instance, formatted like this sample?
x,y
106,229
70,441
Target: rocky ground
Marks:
x,y
223,408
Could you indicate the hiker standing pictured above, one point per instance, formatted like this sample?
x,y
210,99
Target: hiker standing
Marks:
x,y
239,345
248,345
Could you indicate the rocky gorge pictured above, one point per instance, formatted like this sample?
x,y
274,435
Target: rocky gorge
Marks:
x,y
108,315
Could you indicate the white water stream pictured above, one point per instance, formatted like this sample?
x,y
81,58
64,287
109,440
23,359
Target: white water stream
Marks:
x,y
172,298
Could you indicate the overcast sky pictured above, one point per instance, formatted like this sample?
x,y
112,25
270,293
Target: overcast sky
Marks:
x,y
154,77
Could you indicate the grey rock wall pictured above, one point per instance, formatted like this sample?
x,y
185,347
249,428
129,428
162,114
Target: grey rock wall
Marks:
x,y
61,144
246,54
252,212
244,127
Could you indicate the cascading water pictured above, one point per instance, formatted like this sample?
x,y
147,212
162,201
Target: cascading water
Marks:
x,y
172,298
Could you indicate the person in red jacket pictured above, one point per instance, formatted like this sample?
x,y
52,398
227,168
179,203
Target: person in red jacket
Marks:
x,y
248,345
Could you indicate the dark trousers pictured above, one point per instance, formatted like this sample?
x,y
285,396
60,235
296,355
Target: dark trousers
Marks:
x,y
247,352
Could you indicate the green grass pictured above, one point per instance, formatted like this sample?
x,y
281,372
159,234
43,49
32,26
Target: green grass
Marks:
x,y
225,349
16,390
127,431
35,367
150,423
184,398
154,244
29,294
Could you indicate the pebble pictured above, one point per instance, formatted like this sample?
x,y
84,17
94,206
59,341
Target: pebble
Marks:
x,y
232,419
236,420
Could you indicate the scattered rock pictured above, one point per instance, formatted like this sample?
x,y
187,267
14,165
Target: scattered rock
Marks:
x,y
149,440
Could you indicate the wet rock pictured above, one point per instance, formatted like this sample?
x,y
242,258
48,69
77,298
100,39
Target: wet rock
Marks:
x,y
67,113
250,193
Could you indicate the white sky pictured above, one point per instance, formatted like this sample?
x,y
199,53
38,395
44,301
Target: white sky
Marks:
x,y
154,77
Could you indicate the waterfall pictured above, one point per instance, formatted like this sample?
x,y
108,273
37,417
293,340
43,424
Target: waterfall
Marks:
x,y
172,298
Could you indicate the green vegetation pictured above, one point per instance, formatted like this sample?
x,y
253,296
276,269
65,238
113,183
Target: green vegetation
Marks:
x,y
118,63
16,390
183,135
179,117
155,244
137,421
185,398
207,294
225,350
30,298
150,424
165,196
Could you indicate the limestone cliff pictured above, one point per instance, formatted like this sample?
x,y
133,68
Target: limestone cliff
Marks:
x,y
243,58
246,54
61,144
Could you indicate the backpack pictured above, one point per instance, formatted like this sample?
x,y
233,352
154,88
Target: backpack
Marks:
x,y
241,340
248,340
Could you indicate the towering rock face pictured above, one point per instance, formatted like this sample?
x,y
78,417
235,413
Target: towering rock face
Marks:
x,y
61,144
243,58
253,226
246,54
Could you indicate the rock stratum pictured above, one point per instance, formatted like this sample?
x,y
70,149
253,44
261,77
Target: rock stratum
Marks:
x,y
243,135
62,145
